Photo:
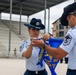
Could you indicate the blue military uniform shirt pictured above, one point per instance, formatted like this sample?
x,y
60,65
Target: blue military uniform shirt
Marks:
x,y
31,63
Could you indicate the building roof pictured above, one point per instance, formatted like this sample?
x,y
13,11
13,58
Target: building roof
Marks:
x,y
55,21
29,7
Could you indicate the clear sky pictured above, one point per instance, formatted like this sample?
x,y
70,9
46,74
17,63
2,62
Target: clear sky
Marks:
x,y
55,13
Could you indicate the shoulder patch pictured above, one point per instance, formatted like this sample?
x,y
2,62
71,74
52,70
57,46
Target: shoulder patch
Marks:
x,y
21,47
67,40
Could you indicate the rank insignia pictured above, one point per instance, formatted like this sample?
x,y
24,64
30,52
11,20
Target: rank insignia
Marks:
x,y
67,40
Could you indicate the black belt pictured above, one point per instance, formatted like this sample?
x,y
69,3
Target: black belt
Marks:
x,y
36,72
72,69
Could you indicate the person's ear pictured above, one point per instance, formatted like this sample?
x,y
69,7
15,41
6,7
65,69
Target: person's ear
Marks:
x,y
73,17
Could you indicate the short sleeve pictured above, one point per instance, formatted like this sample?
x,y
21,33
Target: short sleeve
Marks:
x,y
68,42
23,47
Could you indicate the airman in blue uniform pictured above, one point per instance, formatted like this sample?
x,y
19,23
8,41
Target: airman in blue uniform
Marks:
x,y
68,46
31,52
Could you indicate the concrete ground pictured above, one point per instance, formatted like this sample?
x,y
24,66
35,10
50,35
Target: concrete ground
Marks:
x,y
17,67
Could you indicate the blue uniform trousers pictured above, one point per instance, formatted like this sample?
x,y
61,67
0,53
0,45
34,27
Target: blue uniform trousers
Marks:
x,y
43,72
71,72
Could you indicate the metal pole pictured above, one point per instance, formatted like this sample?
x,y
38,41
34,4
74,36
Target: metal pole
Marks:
x,y
0,16
45,16
10,26
27,19
48,20
20,18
